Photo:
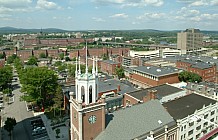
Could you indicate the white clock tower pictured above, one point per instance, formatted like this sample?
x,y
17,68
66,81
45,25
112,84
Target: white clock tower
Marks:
x,y
87,110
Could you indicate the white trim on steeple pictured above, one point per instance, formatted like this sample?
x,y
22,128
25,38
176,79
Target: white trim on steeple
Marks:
x,y
86,58
79,66
96,71
93,67
76,72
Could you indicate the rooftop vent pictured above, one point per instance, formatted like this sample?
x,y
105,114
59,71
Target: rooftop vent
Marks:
x,y
148,68
158,70
159,121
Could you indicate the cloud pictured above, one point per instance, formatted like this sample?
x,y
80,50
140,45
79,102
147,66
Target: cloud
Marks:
x,y
9,6
98,19
121,15
130,3
15,3
46,5
151,16
214,2
186,12
198,3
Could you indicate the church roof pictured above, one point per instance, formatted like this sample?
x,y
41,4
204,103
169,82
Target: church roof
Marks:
x,y
135,121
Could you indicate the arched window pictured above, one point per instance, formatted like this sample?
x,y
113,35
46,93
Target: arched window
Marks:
x,y
83,93
90,94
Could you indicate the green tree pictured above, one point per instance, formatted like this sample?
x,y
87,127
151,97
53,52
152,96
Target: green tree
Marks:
x,y
105,57
58,131
6,76
32,61
58,99
38,84
120,72
11,58
189,77
62,67
42,55
61,56
2,55
67,58
57,63
9,125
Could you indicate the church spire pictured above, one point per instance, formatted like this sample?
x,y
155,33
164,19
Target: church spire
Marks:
x,y
79,66
96,71
93,67
76,72
86,58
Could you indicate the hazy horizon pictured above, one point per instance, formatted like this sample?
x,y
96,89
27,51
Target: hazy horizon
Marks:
x,y
77,15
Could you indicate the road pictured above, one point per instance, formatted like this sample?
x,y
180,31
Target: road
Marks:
x,y
22,131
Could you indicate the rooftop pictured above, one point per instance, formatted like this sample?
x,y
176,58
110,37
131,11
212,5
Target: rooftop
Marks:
x,y
111,84
197,63
206,59
162,90
184,106
109,61
135,121
156,71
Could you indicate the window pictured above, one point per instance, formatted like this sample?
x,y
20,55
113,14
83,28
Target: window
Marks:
x,y
197,136
212,113
205,124
205,116
212,120
83,93
191,124
90,94
190,132
199,127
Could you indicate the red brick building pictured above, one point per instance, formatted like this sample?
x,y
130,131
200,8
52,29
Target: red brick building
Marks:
x,y
206,70
148,76
99,52
109,66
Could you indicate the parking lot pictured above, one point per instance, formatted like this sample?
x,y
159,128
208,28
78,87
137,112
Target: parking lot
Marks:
x,y
38,129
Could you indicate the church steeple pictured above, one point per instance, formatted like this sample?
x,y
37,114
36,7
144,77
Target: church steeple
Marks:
x,y
87,83
86,59
93,66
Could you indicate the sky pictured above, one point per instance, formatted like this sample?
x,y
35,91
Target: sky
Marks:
x,y
110,14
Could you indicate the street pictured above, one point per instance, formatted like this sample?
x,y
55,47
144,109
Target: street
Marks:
x,y
17,110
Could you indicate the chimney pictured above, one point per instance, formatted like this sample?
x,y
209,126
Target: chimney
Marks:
x,y
152,94
118,88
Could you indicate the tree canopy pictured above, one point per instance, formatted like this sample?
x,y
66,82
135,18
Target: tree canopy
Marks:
x,y
42,55
38,84
120,72
9,125
6,76
10,59
32,61
189,77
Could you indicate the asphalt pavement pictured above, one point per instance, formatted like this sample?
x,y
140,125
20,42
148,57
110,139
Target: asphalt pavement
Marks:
x,y
17,110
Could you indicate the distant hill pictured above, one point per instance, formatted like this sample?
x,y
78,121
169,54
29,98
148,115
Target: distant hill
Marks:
x,y
7,30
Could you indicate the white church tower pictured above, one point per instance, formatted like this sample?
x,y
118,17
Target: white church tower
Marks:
x,y
86,83
87,110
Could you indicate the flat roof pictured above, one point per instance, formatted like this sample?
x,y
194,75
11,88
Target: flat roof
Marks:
x,y
162,90
156,71
184,106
